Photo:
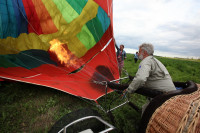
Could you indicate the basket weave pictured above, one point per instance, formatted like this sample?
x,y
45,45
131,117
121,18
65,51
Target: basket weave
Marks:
x,y
179,114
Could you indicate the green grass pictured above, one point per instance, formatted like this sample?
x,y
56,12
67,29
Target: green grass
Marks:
x,y
32,108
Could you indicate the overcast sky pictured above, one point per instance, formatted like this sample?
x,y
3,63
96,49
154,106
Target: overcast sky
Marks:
x,y
172,26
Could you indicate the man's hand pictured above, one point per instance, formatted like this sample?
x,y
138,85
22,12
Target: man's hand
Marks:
x,y
116,86
131,77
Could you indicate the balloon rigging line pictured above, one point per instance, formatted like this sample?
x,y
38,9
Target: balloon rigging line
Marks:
x,y
33,76
108,8
25,17
59,81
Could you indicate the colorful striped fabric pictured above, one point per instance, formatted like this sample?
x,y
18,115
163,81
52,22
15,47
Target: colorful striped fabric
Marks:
x,y
29,30
80,23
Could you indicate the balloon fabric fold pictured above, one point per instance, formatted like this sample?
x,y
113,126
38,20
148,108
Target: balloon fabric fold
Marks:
x,y
62,44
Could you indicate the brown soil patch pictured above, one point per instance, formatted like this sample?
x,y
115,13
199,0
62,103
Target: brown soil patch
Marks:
x,y
45,120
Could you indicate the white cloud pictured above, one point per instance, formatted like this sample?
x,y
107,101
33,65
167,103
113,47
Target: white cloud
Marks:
x,y
171,25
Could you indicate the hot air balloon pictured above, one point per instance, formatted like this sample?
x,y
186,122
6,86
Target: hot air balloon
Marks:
x,y
63,44
67,45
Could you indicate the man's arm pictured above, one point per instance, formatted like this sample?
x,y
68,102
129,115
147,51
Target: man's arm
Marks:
x,y
116,47
140,77
117,86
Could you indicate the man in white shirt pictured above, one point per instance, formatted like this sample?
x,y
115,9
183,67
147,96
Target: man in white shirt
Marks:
x,y
152,73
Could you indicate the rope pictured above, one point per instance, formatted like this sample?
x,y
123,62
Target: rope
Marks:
x,y
191,118
25,17
184,120
195,119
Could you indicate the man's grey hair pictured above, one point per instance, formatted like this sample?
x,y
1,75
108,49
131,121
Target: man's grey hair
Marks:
x,y
147,47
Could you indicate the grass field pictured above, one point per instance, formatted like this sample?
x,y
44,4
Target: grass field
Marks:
x,y
31,108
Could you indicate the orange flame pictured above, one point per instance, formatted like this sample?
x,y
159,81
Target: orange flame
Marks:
x,y
63,55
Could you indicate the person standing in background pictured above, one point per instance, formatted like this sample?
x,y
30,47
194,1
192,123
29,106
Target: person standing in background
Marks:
x,y
121,56
136,57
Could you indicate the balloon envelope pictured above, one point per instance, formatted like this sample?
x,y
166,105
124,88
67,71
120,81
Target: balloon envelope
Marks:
x,y
62,44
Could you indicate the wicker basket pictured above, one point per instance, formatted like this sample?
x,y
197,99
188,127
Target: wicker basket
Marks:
x,y
179,114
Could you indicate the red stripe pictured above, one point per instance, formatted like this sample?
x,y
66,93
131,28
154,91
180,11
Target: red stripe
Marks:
x,y
33,20
104,4
46,22
16,72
